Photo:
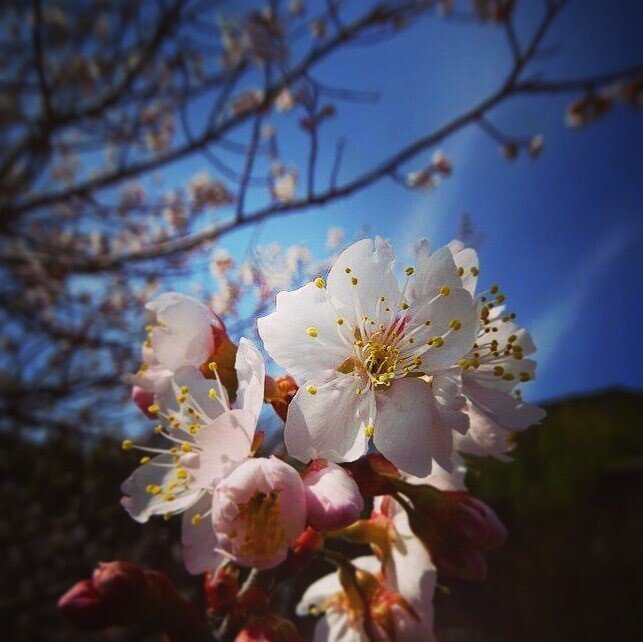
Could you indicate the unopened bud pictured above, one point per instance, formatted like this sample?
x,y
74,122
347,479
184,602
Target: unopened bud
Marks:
x,y
372,474
144,399
221,588
333,499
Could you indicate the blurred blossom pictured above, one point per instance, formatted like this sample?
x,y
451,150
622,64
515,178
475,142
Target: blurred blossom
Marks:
x,y
285,101
247,101
285,186
205,191
421,179
334,238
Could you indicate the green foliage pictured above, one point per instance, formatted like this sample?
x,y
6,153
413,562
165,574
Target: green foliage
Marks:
x,y
573,501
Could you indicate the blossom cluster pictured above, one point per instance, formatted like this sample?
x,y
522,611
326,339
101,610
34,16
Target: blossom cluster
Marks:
x,y
386,385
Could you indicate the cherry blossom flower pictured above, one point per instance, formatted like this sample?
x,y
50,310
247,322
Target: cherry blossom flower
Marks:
x,y
369,358
391,612
208,438
258,511
184,332
493,367
333,499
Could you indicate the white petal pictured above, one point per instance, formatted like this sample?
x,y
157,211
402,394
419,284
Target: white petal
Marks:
x,y
285,333
467,258
413,575
223,443
504,330
335,626
403,425
483,376
199,389
184,334
330,423
140,504
449,480
431,273
370,262
441,312
441,435
199,542
318,592
251,374
484,437
505,409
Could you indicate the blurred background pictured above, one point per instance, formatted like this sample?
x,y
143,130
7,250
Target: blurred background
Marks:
x,y
229,150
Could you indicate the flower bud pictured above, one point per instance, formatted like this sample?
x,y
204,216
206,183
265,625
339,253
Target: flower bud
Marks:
x,y
258,511
455,527
333,499
371,474
221,589
83,606
143,399
122,594
114,596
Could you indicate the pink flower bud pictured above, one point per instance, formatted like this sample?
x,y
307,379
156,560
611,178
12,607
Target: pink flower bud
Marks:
x,y
221,589
143,399
455,527
333,499
258,511
84,607
122,594
114,596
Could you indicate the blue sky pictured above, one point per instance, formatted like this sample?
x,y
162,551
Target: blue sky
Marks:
x,y
563,234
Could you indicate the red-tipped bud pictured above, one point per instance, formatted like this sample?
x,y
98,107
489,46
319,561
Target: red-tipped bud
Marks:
x,y
333,499
143,399
114,596
221,589
122,594
83,606
455,527
510,150
372,475
254,600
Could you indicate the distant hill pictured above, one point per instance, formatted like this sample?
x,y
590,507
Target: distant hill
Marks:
x,y
571,571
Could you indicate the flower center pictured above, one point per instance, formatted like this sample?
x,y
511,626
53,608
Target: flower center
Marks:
x,y
379,359
258,524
